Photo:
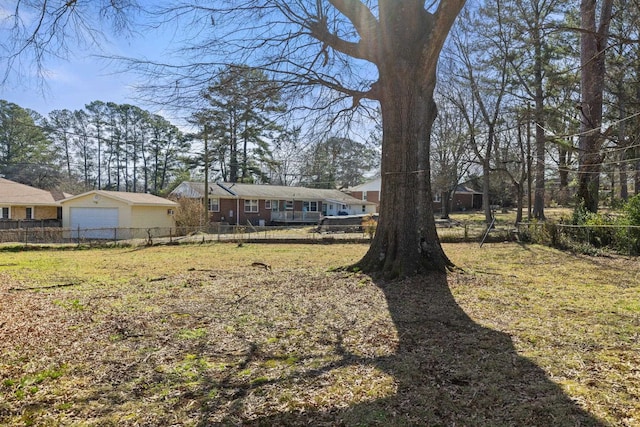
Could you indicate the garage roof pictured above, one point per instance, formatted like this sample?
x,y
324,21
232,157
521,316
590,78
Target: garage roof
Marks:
x,y
138,199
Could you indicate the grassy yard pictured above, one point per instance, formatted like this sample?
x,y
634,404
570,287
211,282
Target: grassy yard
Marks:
x,y
216,334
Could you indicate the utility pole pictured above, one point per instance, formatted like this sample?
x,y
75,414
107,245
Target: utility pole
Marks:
x,y
206,176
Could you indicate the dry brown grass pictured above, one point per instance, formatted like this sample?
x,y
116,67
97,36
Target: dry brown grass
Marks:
x,y
197,335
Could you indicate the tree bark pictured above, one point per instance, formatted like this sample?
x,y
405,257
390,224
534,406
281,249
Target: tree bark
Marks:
x,y
636,186
406,241
446,202
406,47
539,196
593,42
563,173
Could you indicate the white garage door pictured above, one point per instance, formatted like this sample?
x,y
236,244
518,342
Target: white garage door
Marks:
x,y
93,223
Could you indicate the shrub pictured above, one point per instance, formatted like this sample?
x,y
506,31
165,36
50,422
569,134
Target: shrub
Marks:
x,y
543,233
599,232
632,210
190,213
580,214
631,236
369,225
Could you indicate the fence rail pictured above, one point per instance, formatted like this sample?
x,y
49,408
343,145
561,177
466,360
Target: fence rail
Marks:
x,y
219,232
12,224
624,239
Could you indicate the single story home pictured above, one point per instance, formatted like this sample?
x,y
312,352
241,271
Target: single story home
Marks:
x,y
465,198
24,206
117,215
238,203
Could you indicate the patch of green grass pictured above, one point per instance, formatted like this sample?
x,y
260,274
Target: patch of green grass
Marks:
x,y
192,334
73,304
29,384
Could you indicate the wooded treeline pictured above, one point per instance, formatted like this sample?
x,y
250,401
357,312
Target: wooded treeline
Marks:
x,y
122,147
103,146
540,100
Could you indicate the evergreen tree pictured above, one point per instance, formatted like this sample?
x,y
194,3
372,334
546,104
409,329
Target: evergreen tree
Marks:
x,y
338,163
243,104
26,155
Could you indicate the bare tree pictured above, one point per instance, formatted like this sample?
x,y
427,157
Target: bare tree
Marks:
x,y
483,71
450,154
36,30
339,55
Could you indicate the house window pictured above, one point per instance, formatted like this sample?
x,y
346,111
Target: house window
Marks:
x,y
251,206
275,205
364,195
288,205
267,204
214,205
310,206
29,213
437,198
4,212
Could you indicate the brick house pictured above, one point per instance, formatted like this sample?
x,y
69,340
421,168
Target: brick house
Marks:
x,y
238,203
465,198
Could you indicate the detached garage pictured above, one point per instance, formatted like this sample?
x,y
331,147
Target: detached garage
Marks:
x,y
103,214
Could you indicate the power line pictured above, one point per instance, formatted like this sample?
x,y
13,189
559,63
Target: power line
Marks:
x,y
589,131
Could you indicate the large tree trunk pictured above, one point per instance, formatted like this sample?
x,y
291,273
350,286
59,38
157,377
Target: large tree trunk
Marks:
x,y
563,172
593,42
404,42
406,241
624,187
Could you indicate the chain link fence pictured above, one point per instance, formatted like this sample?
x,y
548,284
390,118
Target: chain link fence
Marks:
x,y
588,239
228,233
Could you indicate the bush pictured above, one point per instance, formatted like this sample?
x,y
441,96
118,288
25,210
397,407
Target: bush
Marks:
x,y
542,233
600,234
580,214
597,229
369,225
631,236
190,213
632,210
594,232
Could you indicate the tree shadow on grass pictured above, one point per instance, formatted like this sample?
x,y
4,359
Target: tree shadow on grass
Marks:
x,y
449,371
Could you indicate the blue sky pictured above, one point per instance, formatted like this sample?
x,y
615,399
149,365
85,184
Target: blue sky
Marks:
x,y
71,85
84,76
